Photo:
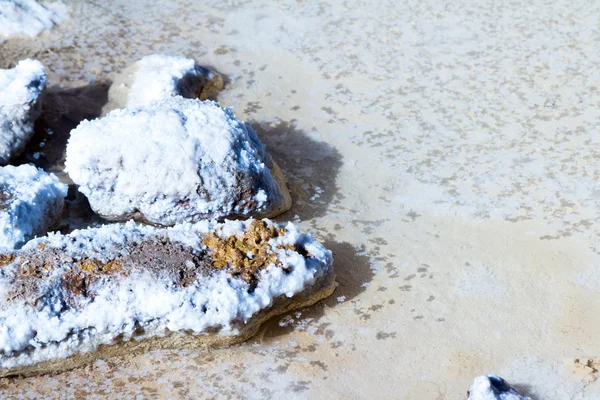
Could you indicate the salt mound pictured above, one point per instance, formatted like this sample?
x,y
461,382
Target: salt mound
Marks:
x,y
62,294
21,90
31,201
157,77
178,160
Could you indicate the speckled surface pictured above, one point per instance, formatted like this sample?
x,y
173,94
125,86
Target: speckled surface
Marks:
x,y
446,153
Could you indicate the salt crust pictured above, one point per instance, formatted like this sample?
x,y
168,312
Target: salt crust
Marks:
x,y
159,76
31,201
21,89
29,16
492,387
144,299
172,161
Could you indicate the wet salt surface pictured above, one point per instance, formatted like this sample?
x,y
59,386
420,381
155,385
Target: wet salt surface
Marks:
x,y
454,148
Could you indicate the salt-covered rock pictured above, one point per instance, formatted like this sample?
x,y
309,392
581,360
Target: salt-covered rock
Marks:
x,y
28,17
159,76
174,161
31,201
21,90
492,387
129,286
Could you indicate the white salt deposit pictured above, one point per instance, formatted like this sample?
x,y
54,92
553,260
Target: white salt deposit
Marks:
x,y
158,76
145,299
492,387
21,89
28,16
172,161
31,201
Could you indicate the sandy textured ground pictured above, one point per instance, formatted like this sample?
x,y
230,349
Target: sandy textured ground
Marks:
x,y
445,151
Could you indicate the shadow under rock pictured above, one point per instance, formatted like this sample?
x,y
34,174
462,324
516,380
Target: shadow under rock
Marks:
x,y
352,271
62,110
79,213
524,389
310,166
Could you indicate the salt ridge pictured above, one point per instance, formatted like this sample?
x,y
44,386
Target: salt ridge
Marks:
x,y
144,299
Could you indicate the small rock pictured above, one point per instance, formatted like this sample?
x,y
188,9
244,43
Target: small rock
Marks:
x,y
179,160
21,90
157,77
492,387
31,201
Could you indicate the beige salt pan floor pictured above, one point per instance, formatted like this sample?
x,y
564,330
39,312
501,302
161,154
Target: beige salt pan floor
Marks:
x,y
446,153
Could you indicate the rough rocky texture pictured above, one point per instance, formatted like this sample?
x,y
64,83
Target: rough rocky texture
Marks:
x,y
31,202
21,91
248,254
159,76
61,295
177,160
